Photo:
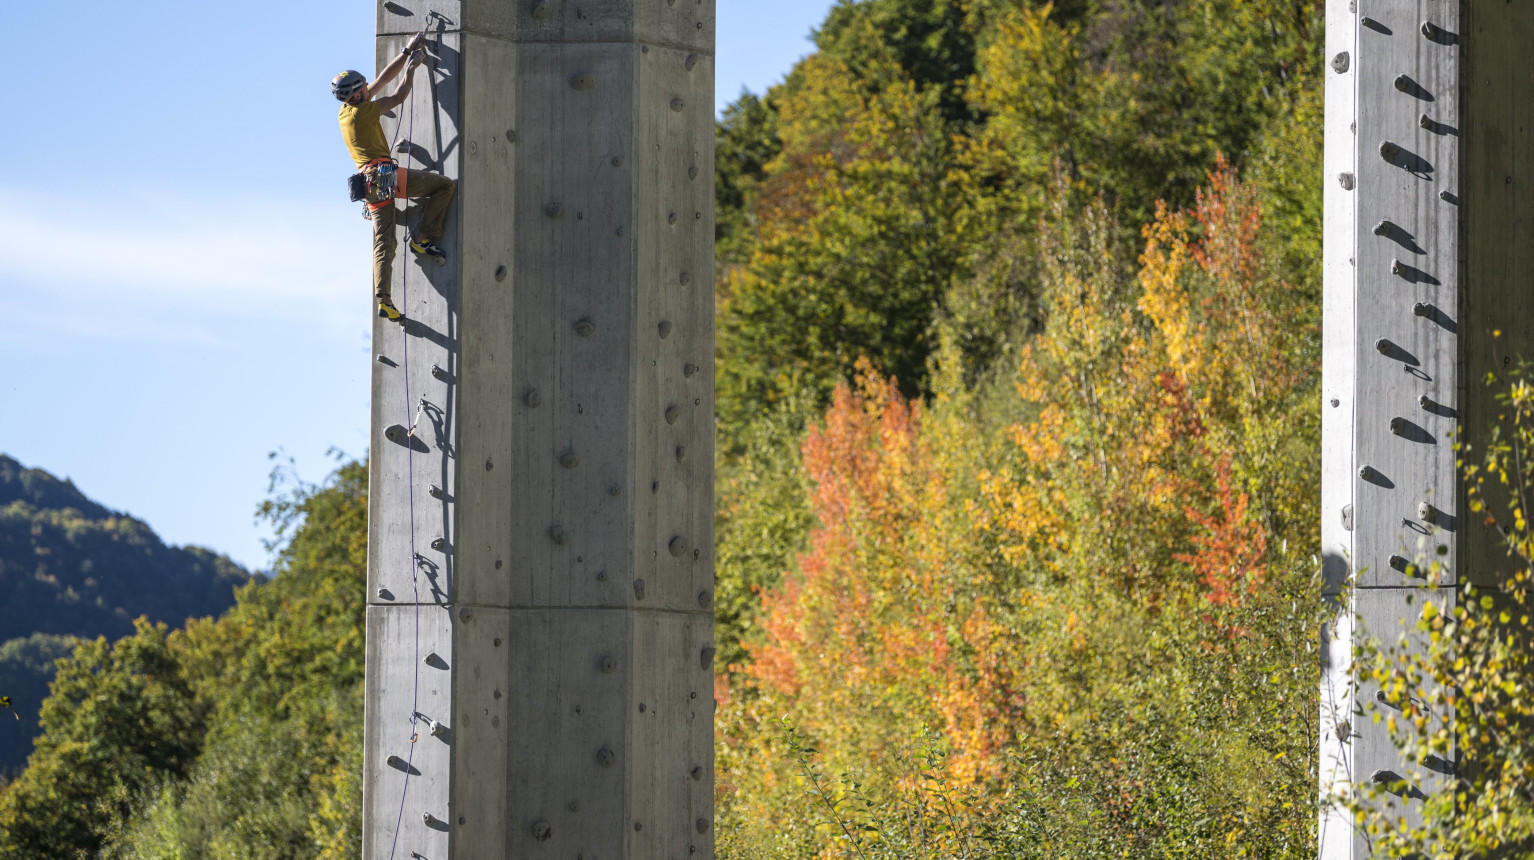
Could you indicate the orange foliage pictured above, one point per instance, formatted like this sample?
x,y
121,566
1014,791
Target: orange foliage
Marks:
x,y
875,630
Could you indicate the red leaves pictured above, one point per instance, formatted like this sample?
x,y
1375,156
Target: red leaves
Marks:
x,y
1231,549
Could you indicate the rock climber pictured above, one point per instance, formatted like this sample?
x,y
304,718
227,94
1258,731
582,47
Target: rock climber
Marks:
x,y
380,181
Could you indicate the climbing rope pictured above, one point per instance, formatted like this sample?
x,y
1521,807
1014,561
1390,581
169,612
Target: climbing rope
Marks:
x,y
415,584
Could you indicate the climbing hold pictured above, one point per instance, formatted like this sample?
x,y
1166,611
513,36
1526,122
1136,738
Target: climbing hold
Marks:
x,y
671,414
705,598
489,465
542,830
639,589
1382,228
614,490
677,104
671,218
396,433
557,534
569,460
643,707
438,372
500,273
395,761
1389,151
465,614
606,757
685,277
1424,122
608,664
664,328
1341,62
553,209
1427,513
688,370
1382,346
1398,426
543,10
696,773
584,328
677,546
532,398
435,492
384,359
702,825
511,135
1396,267
385,594
1403,83
690,62
1367,472
439,544
617,161
583,82
706,657
681,453
692,173
429,819
1346,180
574,806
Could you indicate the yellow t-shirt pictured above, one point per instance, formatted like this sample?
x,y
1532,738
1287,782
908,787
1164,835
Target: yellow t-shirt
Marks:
x,y
363,133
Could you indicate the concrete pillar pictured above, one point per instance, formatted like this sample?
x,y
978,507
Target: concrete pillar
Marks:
x,y
1425,250
541,623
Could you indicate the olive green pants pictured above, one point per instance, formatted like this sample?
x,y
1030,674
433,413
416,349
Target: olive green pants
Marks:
x,y
414,184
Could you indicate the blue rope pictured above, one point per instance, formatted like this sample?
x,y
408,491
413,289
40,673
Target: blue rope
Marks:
x,y
415,587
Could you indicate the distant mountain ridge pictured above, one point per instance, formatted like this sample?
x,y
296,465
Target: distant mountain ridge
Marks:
x,y
72,567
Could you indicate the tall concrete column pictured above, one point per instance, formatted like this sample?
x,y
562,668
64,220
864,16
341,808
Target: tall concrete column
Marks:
x,y
540,559
1427,252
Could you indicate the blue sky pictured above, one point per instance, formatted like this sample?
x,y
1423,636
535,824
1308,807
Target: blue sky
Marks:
x,y
185,285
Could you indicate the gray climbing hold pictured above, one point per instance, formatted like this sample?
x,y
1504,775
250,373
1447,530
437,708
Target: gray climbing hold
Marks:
x,y
1341,62
690,62
664,329
688,370
557,534
584,328
500,273
608,664
553,209
569,460
706,657
583,82
702,825
639,589
672,413
1346,180
677,104
532,398
705,598
606,757
678,546
542,830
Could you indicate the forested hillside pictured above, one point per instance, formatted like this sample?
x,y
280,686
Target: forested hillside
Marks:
x,y
1019,324
70,568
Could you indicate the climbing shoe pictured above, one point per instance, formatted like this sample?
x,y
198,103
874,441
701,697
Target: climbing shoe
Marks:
x,y
427,248
388,311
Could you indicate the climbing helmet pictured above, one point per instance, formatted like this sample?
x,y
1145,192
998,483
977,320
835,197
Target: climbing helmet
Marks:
x,y
347,84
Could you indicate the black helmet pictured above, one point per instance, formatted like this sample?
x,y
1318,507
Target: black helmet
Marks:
x,y
346,84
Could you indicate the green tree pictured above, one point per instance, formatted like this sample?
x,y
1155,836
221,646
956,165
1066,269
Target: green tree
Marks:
x,y
120,718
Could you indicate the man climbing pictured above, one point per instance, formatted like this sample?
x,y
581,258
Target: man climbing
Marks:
x,y
363,133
